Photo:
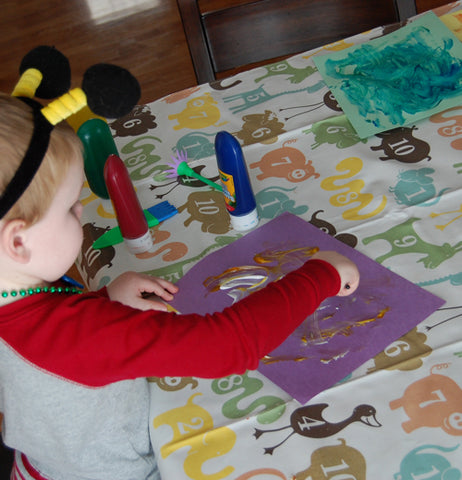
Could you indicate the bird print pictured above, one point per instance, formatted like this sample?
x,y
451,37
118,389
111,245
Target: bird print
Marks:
x,y
309,422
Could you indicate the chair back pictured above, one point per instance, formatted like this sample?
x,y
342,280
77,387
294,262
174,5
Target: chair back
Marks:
x,y
225,36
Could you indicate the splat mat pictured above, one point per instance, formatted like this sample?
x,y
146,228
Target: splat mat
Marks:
x,y
395,80
341,335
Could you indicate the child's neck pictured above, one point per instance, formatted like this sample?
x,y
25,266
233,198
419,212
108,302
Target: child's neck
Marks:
x,y
13,291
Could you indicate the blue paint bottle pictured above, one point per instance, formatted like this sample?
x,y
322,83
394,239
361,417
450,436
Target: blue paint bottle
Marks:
x,y
239,197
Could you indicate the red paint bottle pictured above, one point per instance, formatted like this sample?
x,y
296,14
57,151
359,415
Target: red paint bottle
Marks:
x,y
130,216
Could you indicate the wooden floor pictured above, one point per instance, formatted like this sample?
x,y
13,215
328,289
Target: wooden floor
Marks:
x,y
144,36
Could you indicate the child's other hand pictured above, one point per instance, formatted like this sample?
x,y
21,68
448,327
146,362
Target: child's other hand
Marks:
x,y
349,274
133,289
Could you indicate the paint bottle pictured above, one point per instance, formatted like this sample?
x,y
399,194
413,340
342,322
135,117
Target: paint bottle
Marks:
x,y
239,197
130,216
98,144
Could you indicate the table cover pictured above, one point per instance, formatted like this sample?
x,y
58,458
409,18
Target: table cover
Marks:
x,y
394,196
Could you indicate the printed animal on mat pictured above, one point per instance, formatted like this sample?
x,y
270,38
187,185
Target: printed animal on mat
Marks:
x,y
330,229
427,461
433,401
403,238
309,422
285,162
335,462
415,187
399,144
200,112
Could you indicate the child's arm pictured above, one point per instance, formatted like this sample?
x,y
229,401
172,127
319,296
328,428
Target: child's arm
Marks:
x,y
97,341
140,291
348,271
133,288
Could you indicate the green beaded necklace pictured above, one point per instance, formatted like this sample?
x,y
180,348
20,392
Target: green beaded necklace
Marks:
x,y
24,292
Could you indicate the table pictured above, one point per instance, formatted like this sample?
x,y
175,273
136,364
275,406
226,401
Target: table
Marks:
x,y
396,197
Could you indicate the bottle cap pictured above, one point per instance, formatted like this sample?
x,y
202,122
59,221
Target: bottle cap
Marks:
x,y
245,222
139,245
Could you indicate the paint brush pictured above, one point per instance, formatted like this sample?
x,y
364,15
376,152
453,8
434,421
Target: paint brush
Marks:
x,y
154,215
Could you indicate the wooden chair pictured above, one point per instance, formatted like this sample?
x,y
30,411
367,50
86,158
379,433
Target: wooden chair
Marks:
x,y
225,35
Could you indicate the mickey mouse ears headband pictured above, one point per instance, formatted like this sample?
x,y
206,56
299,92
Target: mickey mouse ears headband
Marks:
x,y
108,90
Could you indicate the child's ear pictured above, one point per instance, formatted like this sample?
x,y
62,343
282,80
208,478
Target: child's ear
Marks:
x,y
13,239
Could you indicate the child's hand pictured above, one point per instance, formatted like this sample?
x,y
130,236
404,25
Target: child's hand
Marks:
x,y
349,274
133,288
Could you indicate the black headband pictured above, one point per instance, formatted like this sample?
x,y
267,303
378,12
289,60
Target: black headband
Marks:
x,y
32,160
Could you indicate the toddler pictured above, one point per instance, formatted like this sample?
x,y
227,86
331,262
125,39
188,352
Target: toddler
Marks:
x,y
72,366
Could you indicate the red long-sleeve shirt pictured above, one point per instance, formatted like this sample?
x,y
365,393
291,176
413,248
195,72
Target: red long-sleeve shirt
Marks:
x,y
94,341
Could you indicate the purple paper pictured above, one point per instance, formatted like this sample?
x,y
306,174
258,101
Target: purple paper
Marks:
x,y
341,335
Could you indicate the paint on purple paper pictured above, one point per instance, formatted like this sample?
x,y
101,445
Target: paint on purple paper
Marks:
x,y
341,335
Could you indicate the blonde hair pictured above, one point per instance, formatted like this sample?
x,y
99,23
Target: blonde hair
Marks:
x,y
16,127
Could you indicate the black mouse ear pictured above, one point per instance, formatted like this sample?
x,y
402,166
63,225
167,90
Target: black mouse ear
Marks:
x,y
111,91
53,66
